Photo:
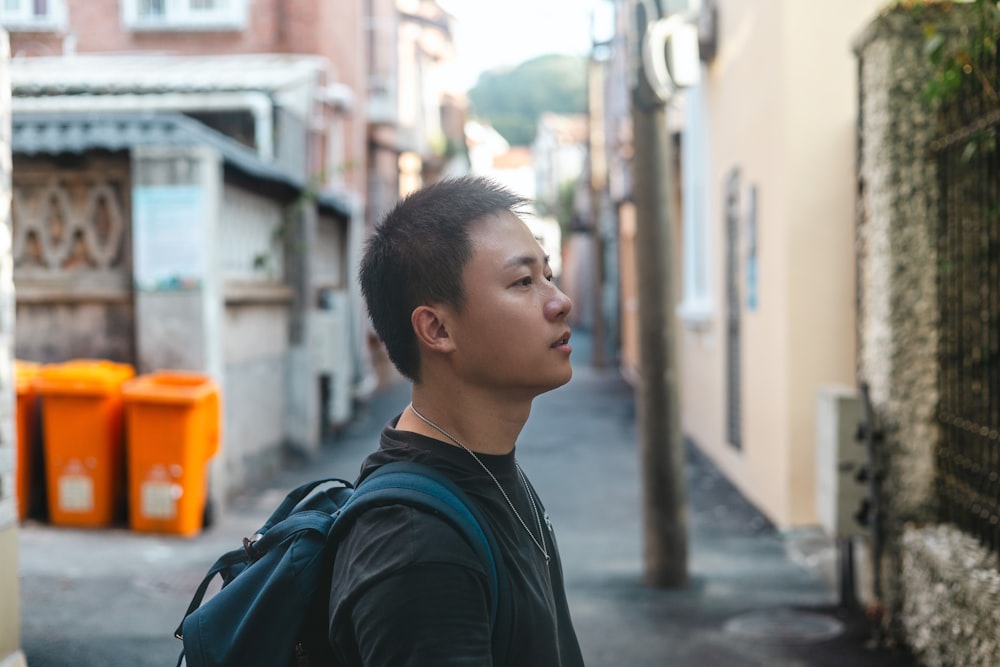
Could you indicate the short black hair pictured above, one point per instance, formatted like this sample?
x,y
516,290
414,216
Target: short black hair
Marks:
x,y
416,256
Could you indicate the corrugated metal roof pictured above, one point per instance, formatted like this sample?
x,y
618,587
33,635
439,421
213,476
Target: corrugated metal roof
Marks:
x,y
53,134
118,74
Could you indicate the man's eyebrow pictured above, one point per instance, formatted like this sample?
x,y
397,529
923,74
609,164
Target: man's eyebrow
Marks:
x,y
524,260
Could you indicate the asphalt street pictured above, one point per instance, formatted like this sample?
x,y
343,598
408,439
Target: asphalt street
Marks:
x,y
756,597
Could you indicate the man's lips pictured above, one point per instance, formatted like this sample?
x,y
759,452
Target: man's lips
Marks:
x,y
562,340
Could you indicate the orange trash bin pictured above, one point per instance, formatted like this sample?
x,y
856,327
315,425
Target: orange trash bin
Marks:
x,y
25,411
173,432
81,404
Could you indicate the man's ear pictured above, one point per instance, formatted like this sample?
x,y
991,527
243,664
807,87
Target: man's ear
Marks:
x,y
431,329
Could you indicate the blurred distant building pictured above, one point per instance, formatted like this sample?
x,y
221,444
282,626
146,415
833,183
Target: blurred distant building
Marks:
x,y
410,51
269,136
559,153
484,144
492,156
515,168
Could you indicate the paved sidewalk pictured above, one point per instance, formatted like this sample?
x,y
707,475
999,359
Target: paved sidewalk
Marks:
x,y
112,597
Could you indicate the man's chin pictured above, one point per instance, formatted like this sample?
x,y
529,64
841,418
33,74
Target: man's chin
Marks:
x,y
560,382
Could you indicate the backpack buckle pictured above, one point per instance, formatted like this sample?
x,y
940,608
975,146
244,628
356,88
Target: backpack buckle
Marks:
x,y
248,543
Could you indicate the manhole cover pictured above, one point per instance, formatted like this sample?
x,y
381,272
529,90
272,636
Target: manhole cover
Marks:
x,y
784,625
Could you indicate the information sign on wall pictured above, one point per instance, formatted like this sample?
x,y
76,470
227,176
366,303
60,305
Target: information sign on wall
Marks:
x,y
168,237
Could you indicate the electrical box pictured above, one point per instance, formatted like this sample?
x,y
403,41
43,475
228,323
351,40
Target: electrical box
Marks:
x,y
841,462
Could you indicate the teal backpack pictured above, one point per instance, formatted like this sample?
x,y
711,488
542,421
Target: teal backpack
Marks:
x,y
272,608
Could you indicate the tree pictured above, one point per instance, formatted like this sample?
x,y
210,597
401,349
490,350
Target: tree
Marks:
x,y
512,100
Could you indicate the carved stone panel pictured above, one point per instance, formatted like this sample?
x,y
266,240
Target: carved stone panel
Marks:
x,y
71,219
72,257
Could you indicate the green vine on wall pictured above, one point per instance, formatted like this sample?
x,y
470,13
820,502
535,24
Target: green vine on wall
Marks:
x,y
283,235
963,60
957,57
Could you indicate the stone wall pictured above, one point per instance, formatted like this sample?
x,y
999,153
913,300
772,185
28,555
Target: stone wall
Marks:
x,y
10,619
951,610
256,332
932,578
72,257
255,382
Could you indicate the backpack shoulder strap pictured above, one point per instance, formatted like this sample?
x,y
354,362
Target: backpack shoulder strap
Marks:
x,y
294,497
425,488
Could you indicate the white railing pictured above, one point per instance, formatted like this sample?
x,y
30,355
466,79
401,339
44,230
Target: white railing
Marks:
x,y
251,248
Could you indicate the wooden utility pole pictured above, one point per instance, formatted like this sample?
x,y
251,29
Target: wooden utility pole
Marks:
x,y
661,446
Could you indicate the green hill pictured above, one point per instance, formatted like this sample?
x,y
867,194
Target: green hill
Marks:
x,y
512,99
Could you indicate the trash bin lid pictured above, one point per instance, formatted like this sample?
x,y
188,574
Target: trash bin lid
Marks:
x,y
170,386
83,376
25,373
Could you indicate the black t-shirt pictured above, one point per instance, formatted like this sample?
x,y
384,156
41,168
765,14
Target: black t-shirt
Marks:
x,y
409,591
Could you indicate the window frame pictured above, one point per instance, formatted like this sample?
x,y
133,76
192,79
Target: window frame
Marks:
x,y
697,306
24,18
178,15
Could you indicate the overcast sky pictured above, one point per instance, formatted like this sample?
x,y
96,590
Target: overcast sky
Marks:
x,y
508,32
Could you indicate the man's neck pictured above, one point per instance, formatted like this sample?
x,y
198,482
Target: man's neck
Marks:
x,y
484,425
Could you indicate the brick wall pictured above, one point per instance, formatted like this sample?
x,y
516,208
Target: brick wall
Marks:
x,y
98,28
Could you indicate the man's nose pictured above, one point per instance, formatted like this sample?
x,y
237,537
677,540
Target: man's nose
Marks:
x,y
558,304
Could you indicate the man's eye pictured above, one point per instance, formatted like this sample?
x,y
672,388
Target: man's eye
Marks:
x,y
524,282
550,277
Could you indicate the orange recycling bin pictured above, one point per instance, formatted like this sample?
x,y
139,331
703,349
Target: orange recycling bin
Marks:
x,y
81,404
25,413
173,431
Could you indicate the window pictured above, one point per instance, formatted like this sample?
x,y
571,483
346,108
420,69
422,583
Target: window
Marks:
x,y
184,14
696,305
33,14
152,8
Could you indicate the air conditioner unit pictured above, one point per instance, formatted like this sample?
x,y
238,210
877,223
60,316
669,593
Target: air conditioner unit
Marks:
x,y
382,106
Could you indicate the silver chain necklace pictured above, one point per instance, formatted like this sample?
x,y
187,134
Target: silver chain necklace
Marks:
x,y
520,475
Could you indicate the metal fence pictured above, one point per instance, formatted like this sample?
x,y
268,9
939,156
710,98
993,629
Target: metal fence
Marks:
x,y
968,456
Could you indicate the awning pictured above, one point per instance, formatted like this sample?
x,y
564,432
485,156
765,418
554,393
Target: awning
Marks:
x,y
54,134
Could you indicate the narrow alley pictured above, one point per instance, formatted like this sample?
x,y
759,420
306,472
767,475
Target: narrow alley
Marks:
x,y
112,597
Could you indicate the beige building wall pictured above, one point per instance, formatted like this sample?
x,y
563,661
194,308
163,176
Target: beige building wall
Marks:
x,y
779,103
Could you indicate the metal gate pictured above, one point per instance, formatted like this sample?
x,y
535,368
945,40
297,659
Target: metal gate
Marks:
x,y
968,455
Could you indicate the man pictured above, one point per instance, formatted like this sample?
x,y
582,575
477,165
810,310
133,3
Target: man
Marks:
x,y
462,296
